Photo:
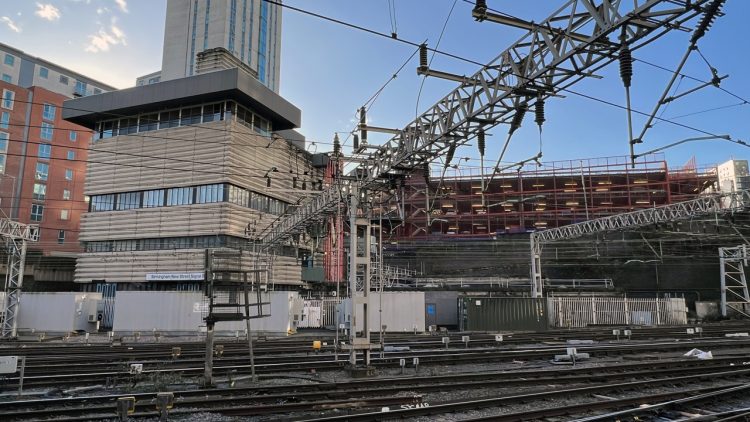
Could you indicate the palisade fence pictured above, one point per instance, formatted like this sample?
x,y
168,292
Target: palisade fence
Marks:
x,y
571,312
319,313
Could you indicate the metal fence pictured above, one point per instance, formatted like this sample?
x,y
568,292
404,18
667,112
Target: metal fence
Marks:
x,y
569,312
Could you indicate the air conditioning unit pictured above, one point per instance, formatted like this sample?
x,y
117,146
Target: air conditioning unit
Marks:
x,y
92,318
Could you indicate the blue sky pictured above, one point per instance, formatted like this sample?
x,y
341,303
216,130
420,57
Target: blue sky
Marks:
x,y
329,71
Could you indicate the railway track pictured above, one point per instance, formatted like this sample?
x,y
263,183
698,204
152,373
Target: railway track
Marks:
x,y
252,401
41,375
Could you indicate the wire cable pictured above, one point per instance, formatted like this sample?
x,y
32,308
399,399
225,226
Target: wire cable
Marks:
x,y
370,31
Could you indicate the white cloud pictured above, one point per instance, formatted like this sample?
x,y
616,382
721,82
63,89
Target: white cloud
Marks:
x,y
102,10
106,38
123,5
12,25
47,11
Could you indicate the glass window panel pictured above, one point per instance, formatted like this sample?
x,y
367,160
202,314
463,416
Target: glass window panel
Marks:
x,y
148,122
42,171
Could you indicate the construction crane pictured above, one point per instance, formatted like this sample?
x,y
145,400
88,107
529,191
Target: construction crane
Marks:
x,y
572,44
16,236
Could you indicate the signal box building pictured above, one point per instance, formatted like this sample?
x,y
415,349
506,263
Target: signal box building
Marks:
x,y
183,166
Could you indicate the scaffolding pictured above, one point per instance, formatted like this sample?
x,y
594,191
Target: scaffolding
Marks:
x,y
554,194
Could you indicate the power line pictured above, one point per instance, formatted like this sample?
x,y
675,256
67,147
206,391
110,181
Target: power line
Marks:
x,y
370,31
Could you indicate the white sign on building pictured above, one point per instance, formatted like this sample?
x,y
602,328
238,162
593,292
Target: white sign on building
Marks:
x,y
197,276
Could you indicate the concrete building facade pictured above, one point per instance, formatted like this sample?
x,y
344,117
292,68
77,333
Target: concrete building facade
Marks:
x,y
193,164
43,158
249,29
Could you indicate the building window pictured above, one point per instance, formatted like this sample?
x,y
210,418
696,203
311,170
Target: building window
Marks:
x,y
209,194
3,142
128,201
7,78
49,112
71,155
64,79
45,150
10,60
36,212
148,122
68,174
8,97
153,198
80,88
61,237
66,194
2,164
64,214
42,171
43,72
4,120
180,196
73,135
40,191
102,203
46,131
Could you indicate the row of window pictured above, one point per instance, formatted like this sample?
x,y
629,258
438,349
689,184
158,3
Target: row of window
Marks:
x,y
42,172
80,87
204,194
45,152
182,117
37,213
154,244
40,193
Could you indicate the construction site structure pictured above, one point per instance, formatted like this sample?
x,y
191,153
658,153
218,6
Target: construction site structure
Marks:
x,y
551,195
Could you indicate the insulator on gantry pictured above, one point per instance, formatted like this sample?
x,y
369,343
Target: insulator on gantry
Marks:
x,y
423,56
539,111
480,5
481,142
449,156
336,145
707,20
626,65
363,124
426,171
356,142
515,123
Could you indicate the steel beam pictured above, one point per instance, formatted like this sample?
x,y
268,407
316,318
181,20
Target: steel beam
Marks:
x,y
571,44
711,204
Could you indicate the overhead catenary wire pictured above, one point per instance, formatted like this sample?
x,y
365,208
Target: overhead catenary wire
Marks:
x,y
370,31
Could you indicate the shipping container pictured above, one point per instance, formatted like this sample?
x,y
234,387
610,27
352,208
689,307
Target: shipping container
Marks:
x,y
503,314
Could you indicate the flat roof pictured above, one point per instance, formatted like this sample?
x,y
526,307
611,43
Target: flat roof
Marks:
x,y
56,67
228,84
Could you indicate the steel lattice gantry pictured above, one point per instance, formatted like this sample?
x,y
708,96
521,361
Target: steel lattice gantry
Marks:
x,y
734,292
571,44
16,236
710,204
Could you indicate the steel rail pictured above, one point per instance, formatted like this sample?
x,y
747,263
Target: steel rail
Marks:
x,y
369,388
483,403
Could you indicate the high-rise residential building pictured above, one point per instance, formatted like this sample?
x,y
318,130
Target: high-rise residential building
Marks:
x,y
43,158
248,29
190,164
